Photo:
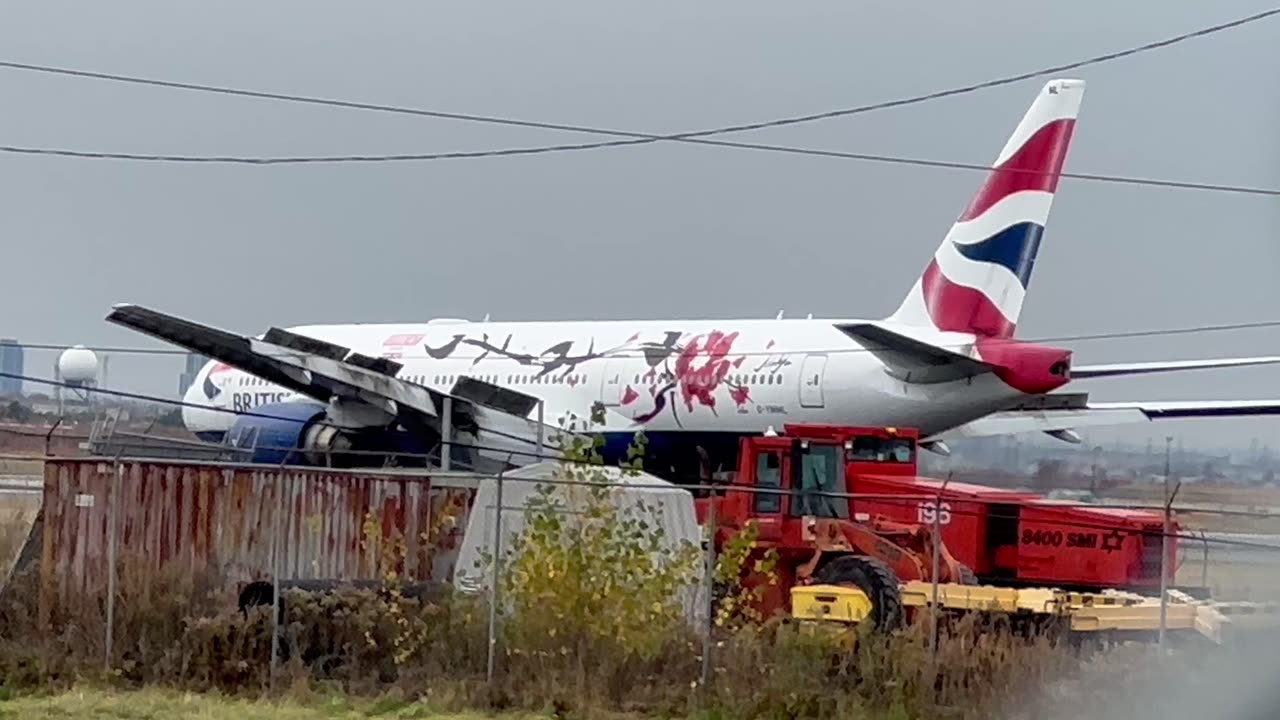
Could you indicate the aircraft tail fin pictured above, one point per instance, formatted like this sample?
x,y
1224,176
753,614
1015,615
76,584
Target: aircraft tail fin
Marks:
x,y
978,277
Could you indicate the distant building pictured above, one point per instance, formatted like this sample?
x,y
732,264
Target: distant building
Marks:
x,y
11,362
195,361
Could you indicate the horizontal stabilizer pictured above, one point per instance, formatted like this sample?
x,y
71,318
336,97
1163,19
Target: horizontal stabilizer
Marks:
x,y
912,360
1082,372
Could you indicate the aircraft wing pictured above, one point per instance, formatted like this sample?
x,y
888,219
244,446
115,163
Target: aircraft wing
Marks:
x,y
1058,413
498,417
1082,372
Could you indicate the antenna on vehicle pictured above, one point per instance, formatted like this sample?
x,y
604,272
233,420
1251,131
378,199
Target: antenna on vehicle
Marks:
x,y
779,315
486,318
809,317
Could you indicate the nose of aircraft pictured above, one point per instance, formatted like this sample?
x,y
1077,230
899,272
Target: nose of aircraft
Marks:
x,y
207,424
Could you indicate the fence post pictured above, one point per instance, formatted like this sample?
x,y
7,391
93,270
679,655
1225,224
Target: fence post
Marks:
x,y
276,542
541,427
937,552
494,593
446,432
1204,565
112,515
710,584
1164,558
48,437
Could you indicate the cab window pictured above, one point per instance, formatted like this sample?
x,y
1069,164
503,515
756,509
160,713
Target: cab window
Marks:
x,y
768,477
874,449
819,473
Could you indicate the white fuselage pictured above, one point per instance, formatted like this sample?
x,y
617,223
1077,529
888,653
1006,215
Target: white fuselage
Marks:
x,y
737,376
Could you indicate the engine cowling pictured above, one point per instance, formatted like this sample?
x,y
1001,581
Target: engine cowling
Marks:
x,y
297,433
275,430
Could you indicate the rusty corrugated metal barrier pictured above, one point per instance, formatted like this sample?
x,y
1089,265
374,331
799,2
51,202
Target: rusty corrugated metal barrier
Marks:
x,y
222,521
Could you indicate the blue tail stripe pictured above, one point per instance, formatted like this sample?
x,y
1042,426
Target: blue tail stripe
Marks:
x,y
1015,247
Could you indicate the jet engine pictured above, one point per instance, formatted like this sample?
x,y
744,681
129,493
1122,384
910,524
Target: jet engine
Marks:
x,y
300,433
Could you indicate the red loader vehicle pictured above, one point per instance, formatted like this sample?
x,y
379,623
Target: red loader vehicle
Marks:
x,y
792,488
1007,537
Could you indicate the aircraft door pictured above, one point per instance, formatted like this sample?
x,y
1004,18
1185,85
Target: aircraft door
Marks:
x,y
811,379
612,382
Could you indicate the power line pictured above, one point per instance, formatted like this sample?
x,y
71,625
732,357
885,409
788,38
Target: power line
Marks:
x,y
1119,335
633,138
867,157
645,137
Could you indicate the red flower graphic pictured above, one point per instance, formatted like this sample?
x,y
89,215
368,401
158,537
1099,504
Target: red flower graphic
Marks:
x,y
699,381
629,395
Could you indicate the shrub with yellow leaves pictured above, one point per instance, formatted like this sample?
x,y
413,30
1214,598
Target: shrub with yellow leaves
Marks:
x,y
590,577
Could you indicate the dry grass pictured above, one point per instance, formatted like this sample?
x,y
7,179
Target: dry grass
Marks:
x,y
404,658
159,704
1219,493
1232,573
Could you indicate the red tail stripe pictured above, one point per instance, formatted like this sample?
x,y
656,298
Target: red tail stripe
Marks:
x,y
1034,166
956,308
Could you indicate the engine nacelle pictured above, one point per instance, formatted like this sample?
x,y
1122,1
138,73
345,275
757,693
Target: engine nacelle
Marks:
x,y
298,433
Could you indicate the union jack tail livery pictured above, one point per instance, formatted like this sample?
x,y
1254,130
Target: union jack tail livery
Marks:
x,y
978,277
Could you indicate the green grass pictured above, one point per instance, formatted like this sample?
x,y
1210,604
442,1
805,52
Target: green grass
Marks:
x,y
171,705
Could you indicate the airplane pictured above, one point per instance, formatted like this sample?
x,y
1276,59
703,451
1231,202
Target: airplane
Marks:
x,y
945,362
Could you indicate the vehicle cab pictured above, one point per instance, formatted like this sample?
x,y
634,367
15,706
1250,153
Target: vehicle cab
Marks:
x,y
805,471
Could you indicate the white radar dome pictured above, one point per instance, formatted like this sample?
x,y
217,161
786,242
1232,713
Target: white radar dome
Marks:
x,y
78,365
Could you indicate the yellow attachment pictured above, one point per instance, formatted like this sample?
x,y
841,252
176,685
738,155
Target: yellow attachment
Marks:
x,y
1108,610
977,597
830,602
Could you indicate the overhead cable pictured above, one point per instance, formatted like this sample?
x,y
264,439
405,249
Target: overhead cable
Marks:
x,y
645,137
632,138
889,159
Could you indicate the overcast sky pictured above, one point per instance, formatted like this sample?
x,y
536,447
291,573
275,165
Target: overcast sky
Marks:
x,y
662,230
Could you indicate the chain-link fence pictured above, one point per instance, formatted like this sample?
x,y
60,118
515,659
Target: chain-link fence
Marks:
x,y
487,576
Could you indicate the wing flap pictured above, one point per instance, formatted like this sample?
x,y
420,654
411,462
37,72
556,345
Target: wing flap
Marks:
x,y
480,392
305,344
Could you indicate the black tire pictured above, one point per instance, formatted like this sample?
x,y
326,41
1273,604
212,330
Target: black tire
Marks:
x,y
872,577
967,576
